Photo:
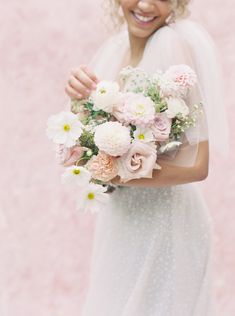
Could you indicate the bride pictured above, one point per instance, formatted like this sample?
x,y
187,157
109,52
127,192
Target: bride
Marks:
x,y
153,241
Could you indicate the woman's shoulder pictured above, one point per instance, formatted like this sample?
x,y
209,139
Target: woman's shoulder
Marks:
x,y
169,35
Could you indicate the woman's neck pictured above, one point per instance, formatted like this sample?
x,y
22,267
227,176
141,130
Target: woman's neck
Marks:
x,y
137,46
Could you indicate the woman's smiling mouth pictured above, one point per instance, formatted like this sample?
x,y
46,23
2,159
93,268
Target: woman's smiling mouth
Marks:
x,y
141,19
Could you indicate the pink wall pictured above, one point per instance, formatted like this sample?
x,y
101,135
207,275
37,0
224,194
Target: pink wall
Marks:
x,y
44,243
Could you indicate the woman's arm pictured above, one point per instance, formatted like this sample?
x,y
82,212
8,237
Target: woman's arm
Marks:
x,y
173,175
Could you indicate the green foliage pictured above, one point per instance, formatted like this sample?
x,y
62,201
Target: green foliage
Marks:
x,y
87,140
95,114
154,94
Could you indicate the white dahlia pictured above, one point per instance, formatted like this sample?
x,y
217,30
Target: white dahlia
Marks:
x,y
113,138
107,95
64,128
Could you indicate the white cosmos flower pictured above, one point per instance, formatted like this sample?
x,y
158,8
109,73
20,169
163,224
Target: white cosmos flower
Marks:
x,y
64,128
92,198
176,106
106,96
76,175
113,138
144,135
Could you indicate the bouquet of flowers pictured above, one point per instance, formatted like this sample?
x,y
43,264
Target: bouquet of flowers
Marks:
x,y
122,129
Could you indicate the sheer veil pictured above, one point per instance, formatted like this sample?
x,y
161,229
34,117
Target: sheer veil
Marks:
x,y
207,66
181,42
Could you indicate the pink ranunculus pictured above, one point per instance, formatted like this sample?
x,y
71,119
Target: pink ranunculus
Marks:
x,y
138,162
161,127
69,156
103,167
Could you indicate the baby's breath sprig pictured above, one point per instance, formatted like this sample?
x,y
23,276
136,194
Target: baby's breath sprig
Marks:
x,y
180,124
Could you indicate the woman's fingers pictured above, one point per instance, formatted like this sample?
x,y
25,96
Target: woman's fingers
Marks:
x,y
90,73
79,87
83,77
73,94
81,83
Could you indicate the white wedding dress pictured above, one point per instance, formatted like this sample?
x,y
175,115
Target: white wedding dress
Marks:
x,y
152,246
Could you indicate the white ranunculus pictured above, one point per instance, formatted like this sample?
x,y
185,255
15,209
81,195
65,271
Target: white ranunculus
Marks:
x,y
76,175
175,107
113,138
144,135
92,198
106,96
64,128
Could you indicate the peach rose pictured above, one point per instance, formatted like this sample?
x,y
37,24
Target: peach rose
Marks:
x,y
138,162
103,167
161,127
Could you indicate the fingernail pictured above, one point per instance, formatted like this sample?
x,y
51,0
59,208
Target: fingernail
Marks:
x,y
79,95
94,86
88,91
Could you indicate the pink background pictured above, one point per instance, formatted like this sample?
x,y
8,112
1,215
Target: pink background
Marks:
x,y
45,244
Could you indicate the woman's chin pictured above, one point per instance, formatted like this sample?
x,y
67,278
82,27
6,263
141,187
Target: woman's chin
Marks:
x,y
140,33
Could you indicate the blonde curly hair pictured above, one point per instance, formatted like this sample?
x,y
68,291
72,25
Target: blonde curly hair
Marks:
x,y
112,8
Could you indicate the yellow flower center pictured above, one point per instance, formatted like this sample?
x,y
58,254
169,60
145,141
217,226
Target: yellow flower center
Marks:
x,y
76,171
91,196
103,91
141,136
140,109
66,127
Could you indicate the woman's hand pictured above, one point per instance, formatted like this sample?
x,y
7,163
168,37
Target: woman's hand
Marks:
x,y
81,83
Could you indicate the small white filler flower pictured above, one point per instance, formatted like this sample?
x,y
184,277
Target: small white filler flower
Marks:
x,y
76,175
92,198
64,128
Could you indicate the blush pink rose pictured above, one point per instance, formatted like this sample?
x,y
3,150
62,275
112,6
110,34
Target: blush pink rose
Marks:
x,y
138,162
161,127
69,156
103,167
